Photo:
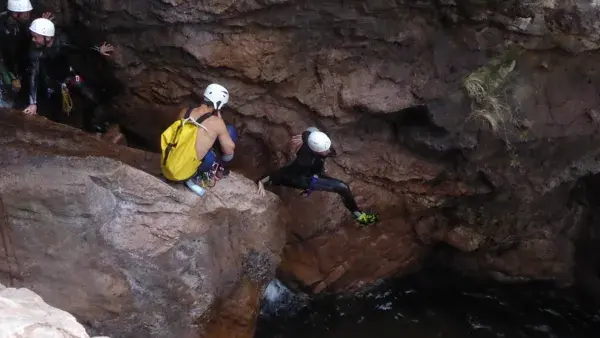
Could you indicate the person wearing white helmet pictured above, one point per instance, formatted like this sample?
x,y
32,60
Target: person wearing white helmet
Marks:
x,y
215,143
307,172
51,74
14,42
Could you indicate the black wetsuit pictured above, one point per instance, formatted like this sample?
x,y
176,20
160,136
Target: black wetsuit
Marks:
x,y
49,69
14,46
308,164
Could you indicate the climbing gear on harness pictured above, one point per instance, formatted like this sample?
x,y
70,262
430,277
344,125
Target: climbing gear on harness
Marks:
x,y
311,187
210,178
223,172
214,171
67,101
179,160
207,181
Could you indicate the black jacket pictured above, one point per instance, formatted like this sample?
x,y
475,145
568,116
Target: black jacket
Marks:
x,y
307,162
51,64
14,44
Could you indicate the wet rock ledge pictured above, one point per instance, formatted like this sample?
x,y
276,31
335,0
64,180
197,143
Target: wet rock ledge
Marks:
x,y
88,227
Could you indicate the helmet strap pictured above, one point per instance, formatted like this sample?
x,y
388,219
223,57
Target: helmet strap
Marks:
x,y
209,103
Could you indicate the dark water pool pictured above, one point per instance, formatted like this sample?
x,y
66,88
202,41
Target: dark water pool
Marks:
x,y
428,306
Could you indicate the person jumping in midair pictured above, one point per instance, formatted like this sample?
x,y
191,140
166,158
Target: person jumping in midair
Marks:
x,y
307,172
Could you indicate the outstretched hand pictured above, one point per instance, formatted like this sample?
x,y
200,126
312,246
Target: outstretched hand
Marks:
x,y
106,49
261,189
48,16
296,143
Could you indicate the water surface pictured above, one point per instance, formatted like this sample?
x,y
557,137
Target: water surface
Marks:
x,y
434,305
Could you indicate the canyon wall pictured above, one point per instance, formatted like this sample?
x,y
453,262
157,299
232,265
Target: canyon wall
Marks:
x,y
465,124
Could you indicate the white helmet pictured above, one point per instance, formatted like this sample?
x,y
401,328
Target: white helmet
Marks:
x,y
19,5
318,141
42,26
217,95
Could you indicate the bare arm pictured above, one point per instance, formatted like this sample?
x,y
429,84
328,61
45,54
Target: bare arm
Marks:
x,y
227,144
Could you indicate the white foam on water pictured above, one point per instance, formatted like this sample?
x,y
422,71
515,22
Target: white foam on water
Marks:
x,y
384,307
274,291
279,299
476,324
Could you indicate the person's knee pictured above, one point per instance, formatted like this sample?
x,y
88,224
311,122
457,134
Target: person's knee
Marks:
x,y
340,187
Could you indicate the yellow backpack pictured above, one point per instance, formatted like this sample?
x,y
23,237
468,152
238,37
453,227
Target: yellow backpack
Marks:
x,y
179,160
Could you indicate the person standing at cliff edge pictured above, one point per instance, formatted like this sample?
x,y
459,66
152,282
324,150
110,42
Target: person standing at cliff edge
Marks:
x,y
199,133
307,172
51,75
14,45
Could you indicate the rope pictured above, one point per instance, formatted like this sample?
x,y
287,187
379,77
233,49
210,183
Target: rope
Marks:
x,y
67,101
210,178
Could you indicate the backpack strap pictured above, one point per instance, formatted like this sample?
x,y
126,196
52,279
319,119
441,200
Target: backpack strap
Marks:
x,y
188,112
203,118
198,120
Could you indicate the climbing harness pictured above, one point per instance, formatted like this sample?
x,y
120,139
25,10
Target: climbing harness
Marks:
x,y
311,187
209,179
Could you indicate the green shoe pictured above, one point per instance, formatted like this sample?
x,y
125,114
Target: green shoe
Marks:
x,y
367,218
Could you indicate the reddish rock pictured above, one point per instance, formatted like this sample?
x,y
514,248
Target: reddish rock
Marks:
x,y
386,80
235,317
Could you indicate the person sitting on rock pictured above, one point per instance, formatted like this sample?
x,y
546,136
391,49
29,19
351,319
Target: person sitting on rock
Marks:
x,y
307,172
14,45
216,140
51,75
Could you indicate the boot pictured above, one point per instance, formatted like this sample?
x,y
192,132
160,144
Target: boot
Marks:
x,y
365,218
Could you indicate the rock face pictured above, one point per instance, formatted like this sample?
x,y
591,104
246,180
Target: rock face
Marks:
x,y
24,314
128,254
459,121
